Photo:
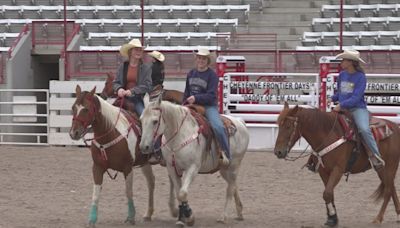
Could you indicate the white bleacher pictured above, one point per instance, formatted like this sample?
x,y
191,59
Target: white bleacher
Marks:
x,y
361,10
328,24
151,48
364,38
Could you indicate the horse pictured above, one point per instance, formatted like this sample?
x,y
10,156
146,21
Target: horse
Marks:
x,y
187,152
322,132
170,95
114,146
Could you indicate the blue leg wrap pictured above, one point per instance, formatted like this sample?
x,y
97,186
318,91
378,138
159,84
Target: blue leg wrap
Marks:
x,y
93,214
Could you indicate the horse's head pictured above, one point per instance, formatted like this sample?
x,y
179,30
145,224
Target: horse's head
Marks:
x,y
84,112
152,123
288,131
108,88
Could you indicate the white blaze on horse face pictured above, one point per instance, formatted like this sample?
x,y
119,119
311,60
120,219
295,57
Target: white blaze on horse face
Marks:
x,y
79,108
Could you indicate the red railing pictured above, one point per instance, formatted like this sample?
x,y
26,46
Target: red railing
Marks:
x,y
25,29
97,63
52,32
2,67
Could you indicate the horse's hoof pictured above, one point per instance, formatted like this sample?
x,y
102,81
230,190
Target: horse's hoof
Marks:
x,y
130,221
91,225
239,218
190,220
377,221
147,218
180,224
222,220
332,221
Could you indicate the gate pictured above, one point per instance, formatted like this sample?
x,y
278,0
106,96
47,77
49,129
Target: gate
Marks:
x,y
24,116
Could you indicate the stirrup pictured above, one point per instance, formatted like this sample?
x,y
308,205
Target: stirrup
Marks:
x,y
376,162
379,158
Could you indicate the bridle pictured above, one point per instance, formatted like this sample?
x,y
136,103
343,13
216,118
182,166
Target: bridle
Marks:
x,y
87,122
295,120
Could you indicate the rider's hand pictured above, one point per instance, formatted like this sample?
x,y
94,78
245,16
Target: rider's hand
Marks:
x,y
121,92
128,93
190,100
337,108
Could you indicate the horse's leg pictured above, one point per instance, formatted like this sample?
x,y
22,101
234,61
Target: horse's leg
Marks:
x,y
385,189
128,174
172,199
177,183
331,180
184,208
98,181
394,193
230,175
150,179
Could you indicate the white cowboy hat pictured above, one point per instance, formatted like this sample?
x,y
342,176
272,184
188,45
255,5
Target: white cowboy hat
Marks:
x,y
351,55
206,53
157,55
126,47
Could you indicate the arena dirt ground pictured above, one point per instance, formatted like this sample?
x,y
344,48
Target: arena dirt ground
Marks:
x,y
51,187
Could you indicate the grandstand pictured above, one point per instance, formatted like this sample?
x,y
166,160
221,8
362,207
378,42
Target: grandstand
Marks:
x,y
271,35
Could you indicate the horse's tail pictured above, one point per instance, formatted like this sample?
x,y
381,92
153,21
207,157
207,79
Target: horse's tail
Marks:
x,y
378,194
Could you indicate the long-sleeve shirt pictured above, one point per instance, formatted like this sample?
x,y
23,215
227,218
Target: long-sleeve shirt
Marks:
x,y
203,86
350,92
143,80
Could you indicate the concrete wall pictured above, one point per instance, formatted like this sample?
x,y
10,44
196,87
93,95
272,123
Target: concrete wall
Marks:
x,y
19,71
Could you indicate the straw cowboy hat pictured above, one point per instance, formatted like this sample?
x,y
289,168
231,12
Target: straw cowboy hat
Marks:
x,y
204,52
351,55
126,47
157,55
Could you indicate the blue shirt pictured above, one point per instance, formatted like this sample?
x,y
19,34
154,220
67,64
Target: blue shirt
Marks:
x,y
351,87
203,86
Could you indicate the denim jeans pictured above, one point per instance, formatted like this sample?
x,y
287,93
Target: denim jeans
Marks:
x,y
138,102
214,118
361,118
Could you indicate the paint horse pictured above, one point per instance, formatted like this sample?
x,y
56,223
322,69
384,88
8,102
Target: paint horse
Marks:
x,y
187,151
322,131
114,146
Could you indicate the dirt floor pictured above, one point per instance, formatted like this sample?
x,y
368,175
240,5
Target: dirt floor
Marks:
x,y
51,187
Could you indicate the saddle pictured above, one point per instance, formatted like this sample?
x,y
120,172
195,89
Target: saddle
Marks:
x,y
198,112
379,128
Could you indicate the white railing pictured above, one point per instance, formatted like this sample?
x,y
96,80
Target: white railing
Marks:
x,y
24,116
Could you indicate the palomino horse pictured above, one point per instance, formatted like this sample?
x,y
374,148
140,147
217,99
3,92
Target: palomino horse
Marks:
x,y
173,96
114,146
321,130
187,151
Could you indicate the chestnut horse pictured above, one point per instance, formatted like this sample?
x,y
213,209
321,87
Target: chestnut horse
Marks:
x,y
114,146
320,130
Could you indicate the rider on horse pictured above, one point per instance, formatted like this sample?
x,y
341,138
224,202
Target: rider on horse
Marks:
x,y
201,88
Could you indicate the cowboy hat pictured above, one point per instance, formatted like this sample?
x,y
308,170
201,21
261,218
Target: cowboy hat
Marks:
x,y
157,55
126,47
205,53
351,55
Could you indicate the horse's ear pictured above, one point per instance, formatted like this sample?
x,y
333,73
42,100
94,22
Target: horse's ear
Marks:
x,y
286,105
93,91
110,76
146,99
78,90
295,109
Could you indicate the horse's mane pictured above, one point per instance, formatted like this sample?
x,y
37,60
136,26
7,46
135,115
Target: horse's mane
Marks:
x,y
316,119
111,113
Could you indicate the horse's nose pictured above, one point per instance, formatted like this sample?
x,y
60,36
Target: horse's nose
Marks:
x,y
73,134
145,149
279,153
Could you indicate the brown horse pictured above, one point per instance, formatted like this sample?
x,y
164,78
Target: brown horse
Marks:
x,y
320,130
114,146
173,96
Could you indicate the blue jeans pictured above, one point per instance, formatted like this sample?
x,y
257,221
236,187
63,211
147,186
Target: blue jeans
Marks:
x,y
138,102
214,118
361,118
